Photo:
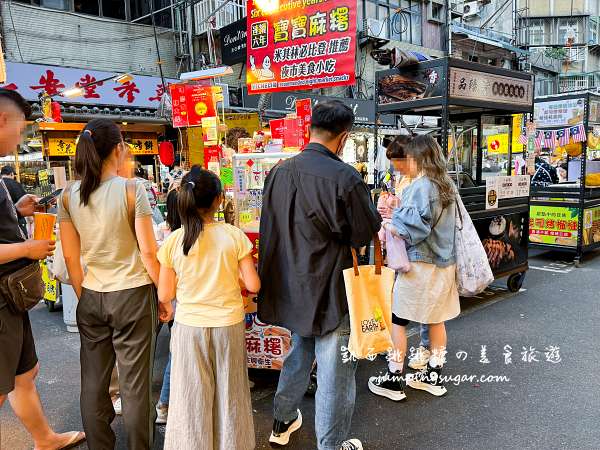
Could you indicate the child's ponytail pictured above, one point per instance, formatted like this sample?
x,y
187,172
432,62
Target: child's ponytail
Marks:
x,y
198,191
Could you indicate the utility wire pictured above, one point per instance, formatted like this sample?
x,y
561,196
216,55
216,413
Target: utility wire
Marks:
x,y
15,30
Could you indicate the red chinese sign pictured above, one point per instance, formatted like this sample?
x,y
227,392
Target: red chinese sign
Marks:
x,y
49,83
191,103
266,345
304,112
303,45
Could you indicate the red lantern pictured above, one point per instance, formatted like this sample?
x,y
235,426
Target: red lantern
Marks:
x,y
166,152
56,114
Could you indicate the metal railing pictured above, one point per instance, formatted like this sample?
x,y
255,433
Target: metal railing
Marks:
x,y
232,11
579,82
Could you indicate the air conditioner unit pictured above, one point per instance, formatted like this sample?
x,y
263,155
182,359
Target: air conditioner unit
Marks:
x,y
471,10
457,9
376,29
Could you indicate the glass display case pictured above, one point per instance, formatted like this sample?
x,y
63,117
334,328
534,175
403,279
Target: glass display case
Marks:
x,y
266,345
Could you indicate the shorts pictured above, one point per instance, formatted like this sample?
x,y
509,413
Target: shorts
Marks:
x,y
18,354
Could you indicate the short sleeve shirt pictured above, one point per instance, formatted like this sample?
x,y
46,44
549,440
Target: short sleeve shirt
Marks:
x,y
208,291
108,244
9,229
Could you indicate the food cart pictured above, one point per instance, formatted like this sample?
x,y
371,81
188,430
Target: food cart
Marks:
x,y
467,98
266,345
566,216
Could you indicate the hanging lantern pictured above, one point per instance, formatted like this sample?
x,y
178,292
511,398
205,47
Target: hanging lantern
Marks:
x,y
56,113
166,153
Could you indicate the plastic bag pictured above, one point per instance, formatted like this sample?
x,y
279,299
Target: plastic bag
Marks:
x,y
473,271
397,258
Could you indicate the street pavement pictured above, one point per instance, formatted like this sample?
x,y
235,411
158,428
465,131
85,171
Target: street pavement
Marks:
x,y
548,398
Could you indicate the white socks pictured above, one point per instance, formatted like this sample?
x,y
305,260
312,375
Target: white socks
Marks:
x,y
395,367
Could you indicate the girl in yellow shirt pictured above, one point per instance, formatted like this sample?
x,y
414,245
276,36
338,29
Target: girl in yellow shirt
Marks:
x,y
202,263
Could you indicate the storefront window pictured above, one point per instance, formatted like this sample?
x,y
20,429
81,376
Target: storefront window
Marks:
x,y
402,19
140,8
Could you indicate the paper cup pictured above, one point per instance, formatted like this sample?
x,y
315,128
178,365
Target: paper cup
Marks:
x,y
43,226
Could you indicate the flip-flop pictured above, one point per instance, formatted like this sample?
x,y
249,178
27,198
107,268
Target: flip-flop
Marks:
x,y
77,439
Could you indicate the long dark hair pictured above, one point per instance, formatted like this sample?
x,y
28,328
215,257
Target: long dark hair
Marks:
x,y
431,162
198,191
397,148
96,143
173,219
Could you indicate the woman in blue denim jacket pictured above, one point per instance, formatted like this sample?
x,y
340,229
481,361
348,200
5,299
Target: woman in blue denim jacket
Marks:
x,y
427,293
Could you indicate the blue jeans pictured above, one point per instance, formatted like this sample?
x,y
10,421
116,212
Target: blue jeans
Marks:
x,y
165,391
336,391
424,332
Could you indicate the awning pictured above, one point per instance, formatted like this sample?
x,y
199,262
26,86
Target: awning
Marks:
x,y
486,38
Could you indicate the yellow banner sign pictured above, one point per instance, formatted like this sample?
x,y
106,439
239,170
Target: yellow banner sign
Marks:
x,y
144,146
61,146
497,144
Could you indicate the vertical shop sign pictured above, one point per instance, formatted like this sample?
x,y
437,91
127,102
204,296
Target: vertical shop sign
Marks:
x,y
305,44
191,103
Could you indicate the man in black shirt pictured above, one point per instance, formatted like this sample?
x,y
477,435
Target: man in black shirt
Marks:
x,y
315,208
18,360
15,189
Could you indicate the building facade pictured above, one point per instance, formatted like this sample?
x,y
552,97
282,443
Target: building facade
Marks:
x,y
563,35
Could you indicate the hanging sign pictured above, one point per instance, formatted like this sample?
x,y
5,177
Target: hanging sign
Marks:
x,y
302,45
191,103
62,146
33,79
143,145
304,113
501,187
559,113
474,85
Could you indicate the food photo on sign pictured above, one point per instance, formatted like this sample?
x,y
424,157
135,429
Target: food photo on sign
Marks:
x,y
300,45
411,85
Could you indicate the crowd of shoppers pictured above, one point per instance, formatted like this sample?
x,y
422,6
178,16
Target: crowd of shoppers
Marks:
x,y
315,209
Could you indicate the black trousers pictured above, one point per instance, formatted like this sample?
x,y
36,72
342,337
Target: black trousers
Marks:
x,y
118,325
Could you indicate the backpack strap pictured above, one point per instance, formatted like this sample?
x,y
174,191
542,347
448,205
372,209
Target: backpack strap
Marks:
x,y
130,188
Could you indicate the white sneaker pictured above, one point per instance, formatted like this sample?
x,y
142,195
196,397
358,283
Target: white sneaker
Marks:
x,y
352,444
117,406
419,359
162,412
283,430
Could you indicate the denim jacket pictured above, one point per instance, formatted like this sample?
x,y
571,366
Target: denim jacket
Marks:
x,y
427,229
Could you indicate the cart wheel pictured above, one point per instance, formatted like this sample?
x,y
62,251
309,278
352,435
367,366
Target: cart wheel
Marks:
x,y
515,281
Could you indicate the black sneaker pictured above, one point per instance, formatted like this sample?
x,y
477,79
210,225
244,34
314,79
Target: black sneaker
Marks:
x,y
428,379
280,436
391,386
352,444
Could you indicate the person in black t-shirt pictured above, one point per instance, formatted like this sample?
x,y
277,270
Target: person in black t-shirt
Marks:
x,y
18,359
15,189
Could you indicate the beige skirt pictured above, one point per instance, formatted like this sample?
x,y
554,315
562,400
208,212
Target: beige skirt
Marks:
x,y
426,294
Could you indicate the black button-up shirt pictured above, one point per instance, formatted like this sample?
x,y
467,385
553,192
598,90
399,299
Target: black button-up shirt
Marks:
x,y
315,208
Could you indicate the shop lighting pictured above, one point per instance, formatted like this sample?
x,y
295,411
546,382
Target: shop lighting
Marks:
x,y
122,79
267,6
207,73
72,92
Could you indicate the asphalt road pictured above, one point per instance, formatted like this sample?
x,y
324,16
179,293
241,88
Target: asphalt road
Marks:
x,y
538,404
